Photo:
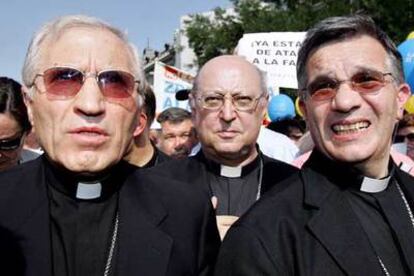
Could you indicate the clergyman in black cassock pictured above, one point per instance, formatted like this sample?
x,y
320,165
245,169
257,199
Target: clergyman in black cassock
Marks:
x,y
349,211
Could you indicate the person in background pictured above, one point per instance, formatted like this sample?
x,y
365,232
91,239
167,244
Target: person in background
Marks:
x,y
177,136
144,152
349,211
292,128
404,140
14,125
228,101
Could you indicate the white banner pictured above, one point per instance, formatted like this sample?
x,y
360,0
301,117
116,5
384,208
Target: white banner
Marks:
x,y
274,53
167,81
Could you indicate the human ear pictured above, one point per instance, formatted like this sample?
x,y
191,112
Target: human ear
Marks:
x,y
403,94
27,97
141,124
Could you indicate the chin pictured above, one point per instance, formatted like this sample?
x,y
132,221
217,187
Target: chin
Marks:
x,y
350,155
87,164
231,150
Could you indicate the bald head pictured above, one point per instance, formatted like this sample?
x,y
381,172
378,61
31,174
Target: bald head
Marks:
x,y
228,101
230,63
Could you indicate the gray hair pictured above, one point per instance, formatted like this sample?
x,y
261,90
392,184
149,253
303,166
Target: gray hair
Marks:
x,y
55,28
336,29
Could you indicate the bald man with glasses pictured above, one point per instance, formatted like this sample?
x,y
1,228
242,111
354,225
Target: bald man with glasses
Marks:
x,y
228,102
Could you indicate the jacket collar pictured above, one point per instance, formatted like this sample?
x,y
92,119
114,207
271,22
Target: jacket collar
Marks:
x,y
342,175
332,222
68,183
216,168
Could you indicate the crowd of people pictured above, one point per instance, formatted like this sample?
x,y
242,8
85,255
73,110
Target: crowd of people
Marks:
x,y
211,191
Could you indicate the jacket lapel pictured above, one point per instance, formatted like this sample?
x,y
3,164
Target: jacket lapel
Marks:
x,y
144,249
33,232
404,225
337,228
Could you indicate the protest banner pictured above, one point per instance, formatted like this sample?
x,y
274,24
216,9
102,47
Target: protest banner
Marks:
x,y
167,81
274,53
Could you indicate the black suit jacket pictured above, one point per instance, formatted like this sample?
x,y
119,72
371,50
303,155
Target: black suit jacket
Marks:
x,y
166,227
305,226
193,170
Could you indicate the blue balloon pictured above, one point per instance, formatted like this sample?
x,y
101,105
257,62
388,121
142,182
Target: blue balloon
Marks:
x,y
281,107
406,50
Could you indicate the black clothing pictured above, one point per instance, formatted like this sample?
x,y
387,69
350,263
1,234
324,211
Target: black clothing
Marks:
x,y
157,158
372,218
306,225
234,196
81,230
166,227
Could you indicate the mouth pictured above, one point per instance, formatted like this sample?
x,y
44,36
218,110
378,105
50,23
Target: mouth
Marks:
x,y
89,136
89,131
227,133
350,128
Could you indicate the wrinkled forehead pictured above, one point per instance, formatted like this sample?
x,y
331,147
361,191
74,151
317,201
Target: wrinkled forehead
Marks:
x,y
72,45
229,78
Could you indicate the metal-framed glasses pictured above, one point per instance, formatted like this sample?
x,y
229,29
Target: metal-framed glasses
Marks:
x,y
62,83
364,82
215,101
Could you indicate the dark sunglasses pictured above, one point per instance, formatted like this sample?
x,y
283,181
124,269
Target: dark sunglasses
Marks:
x,y
364,82
64,82
401,138
10,144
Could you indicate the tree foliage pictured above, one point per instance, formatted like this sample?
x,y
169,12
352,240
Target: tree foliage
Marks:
x,y
219,34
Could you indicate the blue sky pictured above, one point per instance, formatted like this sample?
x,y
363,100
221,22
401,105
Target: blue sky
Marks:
x,y
155,20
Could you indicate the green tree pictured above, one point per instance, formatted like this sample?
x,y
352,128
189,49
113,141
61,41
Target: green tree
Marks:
x,y
219,34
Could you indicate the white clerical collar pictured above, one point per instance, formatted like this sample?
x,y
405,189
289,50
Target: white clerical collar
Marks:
x,y
88,190
228,171
372,185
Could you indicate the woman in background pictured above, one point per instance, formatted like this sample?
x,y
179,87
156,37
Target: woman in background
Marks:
x,y
14,123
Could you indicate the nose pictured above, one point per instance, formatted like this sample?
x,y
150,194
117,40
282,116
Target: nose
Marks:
x,y
179,142
90,100
346,99
228,112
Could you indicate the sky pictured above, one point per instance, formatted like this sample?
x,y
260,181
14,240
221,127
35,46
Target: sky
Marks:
x,y
154,21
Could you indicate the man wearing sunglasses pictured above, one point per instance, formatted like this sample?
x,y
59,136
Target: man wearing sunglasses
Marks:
x,y
228,102
80,210
350,209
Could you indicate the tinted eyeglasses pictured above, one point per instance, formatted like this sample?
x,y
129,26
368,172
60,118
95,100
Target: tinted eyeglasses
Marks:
x,y
11,144
240,102
365,82
62,83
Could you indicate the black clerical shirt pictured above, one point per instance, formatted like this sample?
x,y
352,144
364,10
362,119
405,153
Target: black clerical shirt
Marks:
x,y
381,232
237,194
82,230
382,215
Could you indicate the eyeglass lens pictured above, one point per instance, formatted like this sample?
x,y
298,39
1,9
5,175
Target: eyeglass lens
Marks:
x,y
365,82
62,83
216,101
11,144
